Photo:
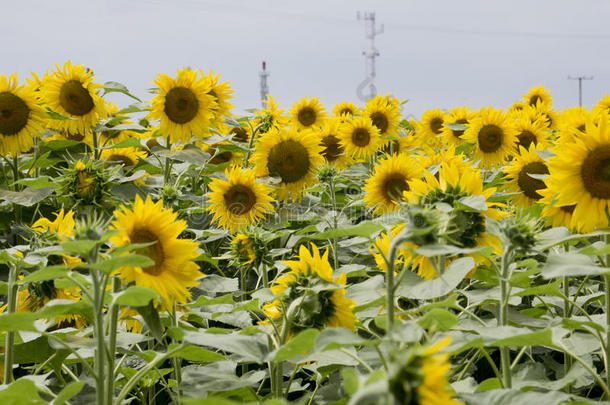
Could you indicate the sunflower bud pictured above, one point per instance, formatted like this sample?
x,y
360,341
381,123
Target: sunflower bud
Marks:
x,y
85,183
520,232
326,174
424,224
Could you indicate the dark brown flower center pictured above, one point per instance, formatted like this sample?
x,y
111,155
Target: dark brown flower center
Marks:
x,y
14,114
380,120
240,134
154,251
346,111
222,157
581,128
361,137
459,132
307,116
490,138
530,185
526,138
394,187
595,172
534,100
125,160
74,136
239,199
181,105
436,125
568,208
289,159
332,148
75,99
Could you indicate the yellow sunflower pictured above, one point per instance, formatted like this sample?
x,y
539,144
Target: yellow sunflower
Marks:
x,y
126,156
530,128
173,271
292,156
381,249
493,136
434,389
555,214
580,170
518,180
221,92
602,106
359,137
183,105
537,94
220,153
383,111
239,201
115,118
384,189
242,245
345,109
401,144
308,113
72,93
326,308
457,115
62,226
431,126
572,123
432,158
548,115
20,117
270,117
333,151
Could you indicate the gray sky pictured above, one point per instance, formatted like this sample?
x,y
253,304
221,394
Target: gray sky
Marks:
x,y
434,53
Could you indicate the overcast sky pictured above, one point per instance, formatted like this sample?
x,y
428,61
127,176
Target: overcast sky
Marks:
x,y
434,53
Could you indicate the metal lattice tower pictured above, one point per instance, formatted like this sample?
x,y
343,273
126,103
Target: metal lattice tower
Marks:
x,y
580,79
370,32
263,74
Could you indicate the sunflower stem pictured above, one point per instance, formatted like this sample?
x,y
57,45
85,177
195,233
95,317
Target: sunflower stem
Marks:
x,y
251,144
16,176
333,201
167,170
389,277
503,318
10,336
607,302
265,275
96,153
177,362
98,329
112,332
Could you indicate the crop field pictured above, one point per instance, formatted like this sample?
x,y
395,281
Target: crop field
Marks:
x,y
170,250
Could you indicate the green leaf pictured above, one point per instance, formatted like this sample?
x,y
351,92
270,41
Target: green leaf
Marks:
x,y
57,116
126,143
333,338
151,317
116,87
79,247
297,346
512,336
199,354
473,203
570,264
115,262
38,182
26,197
456,126
219,376
21,392
60,145
59,307
216,283
189,154
515,397
417,288
68,393
136,296
250,347
438,319
17,321
364,229
46,273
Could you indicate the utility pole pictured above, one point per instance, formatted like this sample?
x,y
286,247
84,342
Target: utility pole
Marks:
x,y
370,32
580,79
263,74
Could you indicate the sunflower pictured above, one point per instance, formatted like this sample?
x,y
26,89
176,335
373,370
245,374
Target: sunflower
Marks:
x,y
518,177
572,123
173,271
293,156
345,109
602,106
183,105
20,117
72,93
400,145
537,95
270,117
111,136
432,158
243,250
548,115
431,126
384,189
221,92
457,115
128,157
62,226
555,214
381,249
333,151
239,201
434,388
221,153
493,136
581,171
530,128
308,113
359,137
305,305
383,111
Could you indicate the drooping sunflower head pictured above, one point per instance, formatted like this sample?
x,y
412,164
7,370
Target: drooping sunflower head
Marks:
x,y
454,124
21,118
71,92
530,128
239,201
383,111
523,177
250,248
308,113
537,95
183,105
292,156
173,271
431,125
345,109
493,136
359,137
308,295
333,151
385,189
221,93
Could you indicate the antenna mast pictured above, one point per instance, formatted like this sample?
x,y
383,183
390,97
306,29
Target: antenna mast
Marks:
x,y
370,32
263,74
580,79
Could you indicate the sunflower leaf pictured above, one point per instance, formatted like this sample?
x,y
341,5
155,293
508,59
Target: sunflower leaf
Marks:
x,y
135,296
26,197
115,262
116,87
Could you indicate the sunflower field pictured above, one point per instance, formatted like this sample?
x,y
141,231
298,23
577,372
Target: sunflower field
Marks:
x,y
171,251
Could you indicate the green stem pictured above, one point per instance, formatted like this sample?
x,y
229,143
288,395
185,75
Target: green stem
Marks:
x,y
265,275
98,329
251,144
503,318
167,169
16,175
607,348
333,201
176,360
10,336
112,333
96,152
389,277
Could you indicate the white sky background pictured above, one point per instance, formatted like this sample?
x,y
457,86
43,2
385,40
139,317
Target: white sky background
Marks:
x,y
434,53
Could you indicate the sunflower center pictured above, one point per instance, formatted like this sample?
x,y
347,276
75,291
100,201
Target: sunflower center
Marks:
x,y
380,121
14,114
221,157
436,125
75,99
307,116
581,128
154,251
459,132
595,172
181,105
534,100
361,137
290,160
530,185
126,161
490,138
75,136
548,119
239,199
332,148
346,111
395,185
240,134
568,208
526,138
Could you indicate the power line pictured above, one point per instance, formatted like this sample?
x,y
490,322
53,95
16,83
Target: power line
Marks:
x,y
580,79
